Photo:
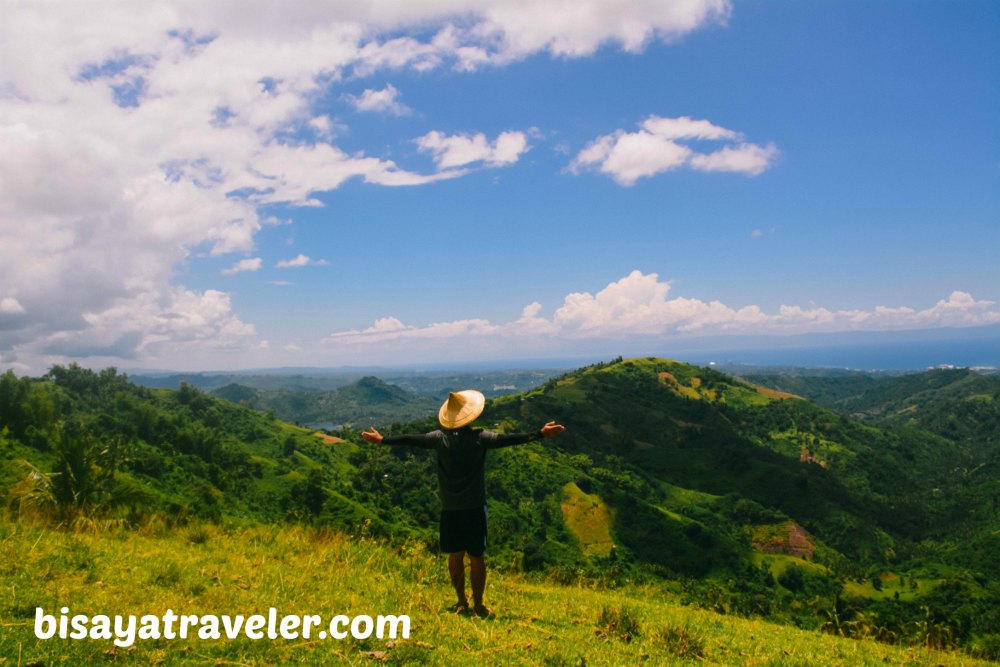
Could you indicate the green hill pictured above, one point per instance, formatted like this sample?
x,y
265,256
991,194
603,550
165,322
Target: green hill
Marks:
x,y
116,449
701,430
745,500
958,405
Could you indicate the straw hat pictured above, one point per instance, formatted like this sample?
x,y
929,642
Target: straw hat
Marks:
x,y
461,408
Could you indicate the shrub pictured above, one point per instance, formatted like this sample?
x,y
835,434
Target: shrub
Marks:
x,y
986,647
198,535
166,574
792,578
618,623
682,641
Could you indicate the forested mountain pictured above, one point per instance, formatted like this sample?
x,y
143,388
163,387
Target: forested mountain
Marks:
x,y
958,403
756,500
367,401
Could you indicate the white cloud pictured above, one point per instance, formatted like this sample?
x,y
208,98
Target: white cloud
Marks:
x,y
386,324
136,135
243,265
379,101
748,159
148,325
11,306
639,305
760,233
390,328
462,149
628,156
686,128
299,261
326,128
958,310
509,30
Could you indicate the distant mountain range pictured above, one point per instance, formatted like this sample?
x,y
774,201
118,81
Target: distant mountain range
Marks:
x,y
435,383
361,403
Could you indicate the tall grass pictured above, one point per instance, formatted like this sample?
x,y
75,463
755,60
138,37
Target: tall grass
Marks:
x,y
217,569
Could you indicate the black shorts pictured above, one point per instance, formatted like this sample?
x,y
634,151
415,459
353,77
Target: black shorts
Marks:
x,y
464,530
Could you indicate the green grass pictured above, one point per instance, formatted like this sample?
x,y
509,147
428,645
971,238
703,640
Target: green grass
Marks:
x,y
891,588
589,519
203,569
678,495
569,391
778,563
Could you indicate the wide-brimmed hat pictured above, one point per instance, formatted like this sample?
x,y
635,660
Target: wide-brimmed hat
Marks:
x,y
461,408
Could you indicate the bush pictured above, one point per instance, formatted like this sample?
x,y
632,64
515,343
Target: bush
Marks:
x,y
618,623
792,578
681,641
198,535
986,646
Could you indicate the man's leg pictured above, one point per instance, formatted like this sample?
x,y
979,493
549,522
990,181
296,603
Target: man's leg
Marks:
x,y
477,574
456,568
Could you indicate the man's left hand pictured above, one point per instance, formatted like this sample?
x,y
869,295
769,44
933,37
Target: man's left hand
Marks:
x,y
552,429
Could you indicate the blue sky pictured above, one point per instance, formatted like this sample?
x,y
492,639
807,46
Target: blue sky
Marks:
x,y
243,187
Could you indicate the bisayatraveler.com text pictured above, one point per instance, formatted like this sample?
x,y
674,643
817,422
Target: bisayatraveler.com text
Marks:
x,y
126,630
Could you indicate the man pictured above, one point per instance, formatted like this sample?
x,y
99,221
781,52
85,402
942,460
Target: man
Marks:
x,y
461,464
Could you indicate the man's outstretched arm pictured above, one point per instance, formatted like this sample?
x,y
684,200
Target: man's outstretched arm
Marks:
x,y
425,440
550,430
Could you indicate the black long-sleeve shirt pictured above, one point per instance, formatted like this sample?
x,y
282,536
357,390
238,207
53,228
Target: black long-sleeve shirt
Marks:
x,y
461,461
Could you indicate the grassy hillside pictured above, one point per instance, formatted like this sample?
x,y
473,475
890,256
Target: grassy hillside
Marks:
x,y
744,500
215,569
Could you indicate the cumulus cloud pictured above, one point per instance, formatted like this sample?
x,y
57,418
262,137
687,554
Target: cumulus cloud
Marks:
x,y
462,149
299,261
243,265
639,305
509,30
628,156
133,327
748,159
379,101
326,128
137,136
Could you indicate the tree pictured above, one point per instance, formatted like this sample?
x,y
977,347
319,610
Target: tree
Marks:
x,y
83,481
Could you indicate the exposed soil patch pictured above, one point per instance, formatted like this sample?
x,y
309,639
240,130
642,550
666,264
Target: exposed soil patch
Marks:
x,y
784,538
775,394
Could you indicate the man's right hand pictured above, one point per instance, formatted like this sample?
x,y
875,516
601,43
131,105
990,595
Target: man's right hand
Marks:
x,y
372,436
